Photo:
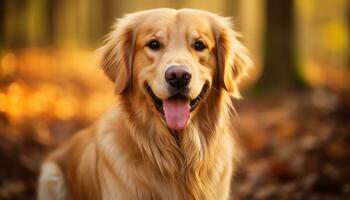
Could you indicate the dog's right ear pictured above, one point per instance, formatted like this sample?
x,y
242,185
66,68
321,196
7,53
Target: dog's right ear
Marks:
x,y
117,54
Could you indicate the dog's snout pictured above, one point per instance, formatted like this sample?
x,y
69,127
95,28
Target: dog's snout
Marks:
x,y
178,76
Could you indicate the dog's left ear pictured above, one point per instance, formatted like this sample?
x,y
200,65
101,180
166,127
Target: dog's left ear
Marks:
x,y
232,58
117,53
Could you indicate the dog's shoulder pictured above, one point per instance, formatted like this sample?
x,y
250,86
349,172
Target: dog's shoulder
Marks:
x,y
61,164
62,167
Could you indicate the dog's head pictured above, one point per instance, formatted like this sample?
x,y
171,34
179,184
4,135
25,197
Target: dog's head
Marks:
x,y
173,58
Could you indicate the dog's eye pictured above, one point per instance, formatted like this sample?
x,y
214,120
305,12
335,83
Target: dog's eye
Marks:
x,y
199,46
154,45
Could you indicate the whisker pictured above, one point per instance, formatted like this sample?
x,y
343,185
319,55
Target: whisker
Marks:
x,y
204,101
201,97
216,90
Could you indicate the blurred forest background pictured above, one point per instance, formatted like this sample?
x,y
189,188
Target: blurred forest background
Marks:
x,y
294,121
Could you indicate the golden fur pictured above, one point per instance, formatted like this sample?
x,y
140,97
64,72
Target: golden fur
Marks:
x,y
130,153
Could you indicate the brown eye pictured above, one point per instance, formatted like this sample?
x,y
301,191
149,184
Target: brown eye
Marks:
x,y
199,46
154,45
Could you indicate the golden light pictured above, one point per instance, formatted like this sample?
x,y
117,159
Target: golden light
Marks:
x,y
8,64
15,100
65,108
37,103
3,102
318,75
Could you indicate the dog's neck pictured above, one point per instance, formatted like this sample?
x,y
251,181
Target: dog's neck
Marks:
x,y
180,154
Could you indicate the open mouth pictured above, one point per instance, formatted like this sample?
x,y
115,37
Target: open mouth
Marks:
x,y
176,109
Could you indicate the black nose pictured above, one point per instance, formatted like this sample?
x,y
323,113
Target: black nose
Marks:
x,y
178,76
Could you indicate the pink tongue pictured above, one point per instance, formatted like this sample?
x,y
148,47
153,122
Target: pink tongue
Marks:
x,y
176,113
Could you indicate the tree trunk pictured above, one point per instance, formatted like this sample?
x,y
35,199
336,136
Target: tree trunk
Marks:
x,y
2,22
280,65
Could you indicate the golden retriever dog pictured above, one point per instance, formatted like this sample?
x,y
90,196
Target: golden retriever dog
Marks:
x,y
169,135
